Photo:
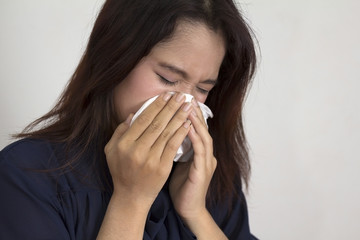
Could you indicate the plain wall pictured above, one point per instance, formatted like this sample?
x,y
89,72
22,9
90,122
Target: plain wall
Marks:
x,y
302,115
302,120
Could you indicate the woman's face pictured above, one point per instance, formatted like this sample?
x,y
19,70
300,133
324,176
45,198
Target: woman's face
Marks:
x,y
189,62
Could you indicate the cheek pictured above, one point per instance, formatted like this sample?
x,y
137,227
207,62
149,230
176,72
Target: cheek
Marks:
x,y
200,98
119,103
131,94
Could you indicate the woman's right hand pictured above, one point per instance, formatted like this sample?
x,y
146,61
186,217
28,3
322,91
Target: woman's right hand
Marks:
x,y
140,156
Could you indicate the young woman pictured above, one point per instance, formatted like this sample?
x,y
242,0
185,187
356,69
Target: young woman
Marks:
x,y
83,172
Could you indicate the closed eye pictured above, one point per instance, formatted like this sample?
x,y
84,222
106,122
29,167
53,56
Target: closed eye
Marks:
x,y
203,91
165,81
170,83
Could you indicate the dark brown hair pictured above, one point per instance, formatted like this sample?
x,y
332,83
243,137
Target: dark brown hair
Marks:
x,y
125,31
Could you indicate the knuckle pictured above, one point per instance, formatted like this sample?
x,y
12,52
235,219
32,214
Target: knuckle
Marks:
x,y
135,155
150,165
208,142
158,104
163,171
107,149
201,152
172,146
180,117
143,119
122,147
172,106
155,126
119,129
214,163
166,134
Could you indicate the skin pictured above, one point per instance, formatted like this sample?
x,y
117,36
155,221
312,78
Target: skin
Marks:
x,y
194,49
140,157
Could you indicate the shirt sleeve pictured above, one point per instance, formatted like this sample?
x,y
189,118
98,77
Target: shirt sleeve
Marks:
x,y
29,209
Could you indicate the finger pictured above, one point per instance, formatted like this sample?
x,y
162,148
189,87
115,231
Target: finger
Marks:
x,y
175,123
121,129
199,149
165,116
200,128
147,116
198,111
118,133
203,150
174,143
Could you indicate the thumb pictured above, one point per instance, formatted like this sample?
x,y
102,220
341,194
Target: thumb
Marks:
x,y
121,129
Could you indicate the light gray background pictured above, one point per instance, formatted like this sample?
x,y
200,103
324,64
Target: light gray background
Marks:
x,y
302,113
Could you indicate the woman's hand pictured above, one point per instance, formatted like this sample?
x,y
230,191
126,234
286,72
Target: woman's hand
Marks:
x,y
190,181
140,157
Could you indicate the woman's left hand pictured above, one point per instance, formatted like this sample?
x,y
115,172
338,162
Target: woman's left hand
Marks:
x,y
190,181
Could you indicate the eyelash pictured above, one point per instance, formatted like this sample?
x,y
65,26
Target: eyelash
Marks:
x,y
203,91
165,81
170,83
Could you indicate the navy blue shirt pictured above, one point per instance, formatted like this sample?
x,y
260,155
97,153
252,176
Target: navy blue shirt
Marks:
x,y
40,204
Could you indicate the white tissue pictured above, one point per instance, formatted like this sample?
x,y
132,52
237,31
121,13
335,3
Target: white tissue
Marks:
x,y
185,151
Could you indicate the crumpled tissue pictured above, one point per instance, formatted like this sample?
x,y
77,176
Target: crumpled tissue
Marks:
x,y
185,152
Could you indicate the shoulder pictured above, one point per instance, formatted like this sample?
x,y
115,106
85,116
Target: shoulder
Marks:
x,y
32,166
41,164
31,154
25,164
36,197
27,153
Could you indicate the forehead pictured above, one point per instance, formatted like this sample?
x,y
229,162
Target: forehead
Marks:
x,y
192,46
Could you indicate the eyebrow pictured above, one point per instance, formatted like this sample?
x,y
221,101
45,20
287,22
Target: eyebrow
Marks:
x,y
184,74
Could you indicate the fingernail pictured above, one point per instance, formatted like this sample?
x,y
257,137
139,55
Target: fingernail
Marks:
x,y
179,97
186,107
166,97
194,102
129,118
187,124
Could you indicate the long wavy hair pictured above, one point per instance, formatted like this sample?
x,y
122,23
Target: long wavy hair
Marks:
x,y
125,31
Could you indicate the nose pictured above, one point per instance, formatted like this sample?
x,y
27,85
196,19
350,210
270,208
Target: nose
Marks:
x,y
186,88
190,88
196,95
